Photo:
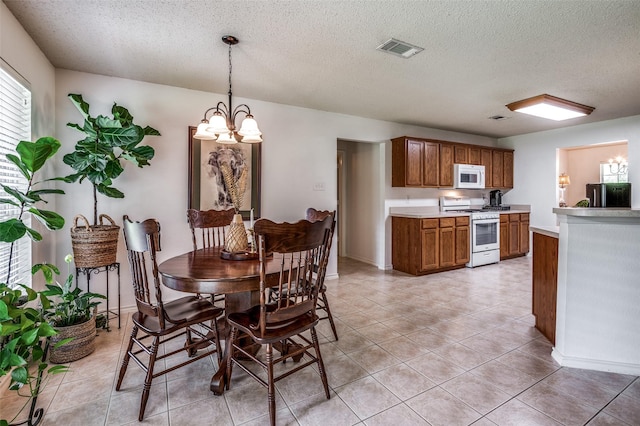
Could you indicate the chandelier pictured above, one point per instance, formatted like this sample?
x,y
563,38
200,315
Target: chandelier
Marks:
x,y
221,126
618,166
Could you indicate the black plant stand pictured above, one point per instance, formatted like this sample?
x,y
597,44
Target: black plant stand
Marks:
x,y
97,270
35,414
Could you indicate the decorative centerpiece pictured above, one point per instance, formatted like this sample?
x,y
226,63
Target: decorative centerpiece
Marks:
x,y
236,241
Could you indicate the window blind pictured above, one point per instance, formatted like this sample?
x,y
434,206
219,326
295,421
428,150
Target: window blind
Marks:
x,y
15,126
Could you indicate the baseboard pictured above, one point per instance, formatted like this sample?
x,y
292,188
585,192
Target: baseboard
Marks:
x,y
595,364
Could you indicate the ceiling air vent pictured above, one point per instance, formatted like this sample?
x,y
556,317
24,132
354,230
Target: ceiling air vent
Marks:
x,y
399,48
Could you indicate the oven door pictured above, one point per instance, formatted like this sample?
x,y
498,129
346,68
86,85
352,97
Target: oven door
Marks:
x,y
485,235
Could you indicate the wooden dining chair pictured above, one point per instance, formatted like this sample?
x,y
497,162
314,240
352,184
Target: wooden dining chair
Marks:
x,y
313,215
161,321
209,229
300,249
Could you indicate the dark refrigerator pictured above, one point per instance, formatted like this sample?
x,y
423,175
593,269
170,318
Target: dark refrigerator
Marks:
x,y
609,194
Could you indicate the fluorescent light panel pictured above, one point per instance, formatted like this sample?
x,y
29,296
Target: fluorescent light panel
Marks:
x,y
550,107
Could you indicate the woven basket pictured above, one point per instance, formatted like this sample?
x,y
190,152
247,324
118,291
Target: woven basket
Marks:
x,y
94,246
83,342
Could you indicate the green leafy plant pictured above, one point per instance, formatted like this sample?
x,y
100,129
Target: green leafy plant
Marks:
x,y
98,157
31,157
68,305
24,332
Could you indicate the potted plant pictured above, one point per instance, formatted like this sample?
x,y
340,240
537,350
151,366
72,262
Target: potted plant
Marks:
x,y
98,158
24,332
71,312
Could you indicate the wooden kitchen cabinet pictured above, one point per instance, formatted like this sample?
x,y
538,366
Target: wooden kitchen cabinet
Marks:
x,y
545,284
501,169
414,163
507,169
423,246
524,233
497,169
461,154
463,249
475,155
430,240
428,163
486,159
446,164
504,236
514,235
447,242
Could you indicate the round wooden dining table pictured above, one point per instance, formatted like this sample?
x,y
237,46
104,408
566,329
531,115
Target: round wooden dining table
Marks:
x,y
204,271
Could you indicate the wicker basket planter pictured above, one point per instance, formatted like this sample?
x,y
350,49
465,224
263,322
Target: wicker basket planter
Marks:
x,y
83,342
94,246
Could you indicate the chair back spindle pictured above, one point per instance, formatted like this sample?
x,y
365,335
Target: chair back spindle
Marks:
x,y
209,227
142,240
302,248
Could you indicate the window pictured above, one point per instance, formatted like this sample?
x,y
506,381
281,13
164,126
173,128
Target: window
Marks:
x,y
613,173
15,126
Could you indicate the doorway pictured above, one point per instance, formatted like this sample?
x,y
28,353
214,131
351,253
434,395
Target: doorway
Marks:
x,y
584,164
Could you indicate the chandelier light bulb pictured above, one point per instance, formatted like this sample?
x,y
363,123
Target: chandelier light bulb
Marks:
x,y
226,138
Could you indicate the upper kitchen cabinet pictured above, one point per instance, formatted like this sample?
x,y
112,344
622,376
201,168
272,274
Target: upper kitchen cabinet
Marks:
x,y
501,169
428,163
461,154
415,163
486,160
447,158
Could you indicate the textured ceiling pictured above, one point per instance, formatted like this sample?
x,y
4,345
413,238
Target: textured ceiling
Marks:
x,y
479,55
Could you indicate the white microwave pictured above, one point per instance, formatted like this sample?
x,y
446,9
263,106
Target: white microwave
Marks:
x,y
468,176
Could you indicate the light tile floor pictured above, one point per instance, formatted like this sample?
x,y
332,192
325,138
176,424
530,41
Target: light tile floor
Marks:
x,y
454,348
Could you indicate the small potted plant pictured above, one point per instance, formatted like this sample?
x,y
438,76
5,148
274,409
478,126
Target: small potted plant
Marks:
x,y
98,158
71,312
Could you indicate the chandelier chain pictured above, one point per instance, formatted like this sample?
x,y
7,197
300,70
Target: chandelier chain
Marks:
x,y
229,71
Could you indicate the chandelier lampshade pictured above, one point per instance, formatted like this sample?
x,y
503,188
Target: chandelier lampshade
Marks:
x,y
221,125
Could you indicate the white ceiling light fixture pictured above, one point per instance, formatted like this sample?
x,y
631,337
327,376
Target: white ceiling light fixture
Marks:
x,y
550,107
221,126
399,48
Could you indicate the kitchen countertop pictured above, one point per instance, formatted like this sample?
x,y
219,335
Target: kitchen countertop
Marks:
x,y
550,231
597,212
433,212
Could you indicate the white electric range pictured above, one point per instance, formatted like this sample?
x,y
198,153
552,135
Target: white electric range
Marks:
x,y
484,230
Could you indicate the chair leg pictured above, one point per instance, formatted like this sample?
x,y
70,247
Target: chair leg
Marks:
x,y
323,373
271,384
217,337
127,356
230,342
147,381
325,301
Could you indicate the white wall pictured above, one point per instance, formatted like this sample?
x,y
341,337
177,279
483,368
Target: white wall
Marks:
x,y
583,167
19,51
535,180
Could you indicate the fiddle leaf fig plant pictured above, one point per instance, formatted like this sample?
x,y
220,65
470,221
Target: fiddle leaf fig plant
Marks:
x,y
31,157
108,141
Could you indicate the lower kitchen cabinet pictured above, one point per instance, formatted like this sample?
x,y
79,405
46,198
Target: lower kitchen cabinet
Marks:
x,y
463,239
514,235
545,284
447,242
423,246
